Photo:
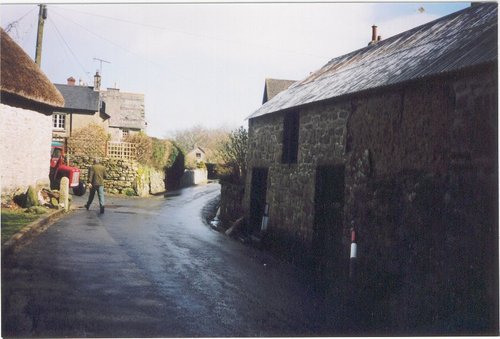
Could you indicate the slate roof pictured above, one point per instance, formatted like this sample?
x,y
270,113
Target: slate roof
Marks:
x,y
274,86
21,77
79,98
460,40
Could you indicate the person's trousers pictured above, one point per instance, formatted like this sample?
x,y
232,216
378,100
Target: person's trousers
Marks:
x,y
100,195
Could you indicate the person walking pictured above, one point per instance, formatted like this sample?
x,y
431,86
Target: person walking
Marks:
x,y
97,174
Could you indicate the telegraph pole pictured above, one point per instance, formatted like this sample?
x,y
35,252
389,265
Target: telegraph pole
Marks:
x,y
42,15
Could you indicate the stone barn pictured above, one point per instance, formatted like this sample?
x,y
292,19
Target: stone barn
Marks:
x,y
396,143
28,99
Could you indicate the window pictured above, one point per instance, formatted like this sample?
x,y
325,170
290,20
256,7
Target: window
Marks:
x,y
198,155
56,153
125,133
290,138
59,121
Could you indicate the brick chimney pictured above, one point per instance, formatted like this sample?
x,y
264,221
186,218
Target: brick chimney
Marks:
x,y
375,38
71,81
97,81
374,33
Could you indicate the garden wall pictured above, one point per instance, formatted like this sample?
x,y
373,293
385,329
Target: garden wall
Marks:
x,y
231,207
194,177
125,176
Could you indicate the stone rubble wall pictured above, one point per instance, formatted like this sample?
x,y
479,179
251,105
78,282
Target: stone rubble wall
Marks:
x,y
421,189
194,177
290,192
124,176
231,207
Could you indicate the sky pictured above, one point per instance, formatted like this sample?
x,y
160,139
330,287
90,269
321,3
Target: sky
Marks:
x,y
203,63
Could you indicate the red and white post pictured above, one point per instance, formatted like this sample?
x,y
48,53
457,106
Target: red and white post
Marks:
x,y
354,254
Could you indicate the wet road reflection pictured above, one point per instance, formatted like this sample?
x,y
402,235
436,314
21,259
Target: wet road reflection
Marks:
x,y
151,267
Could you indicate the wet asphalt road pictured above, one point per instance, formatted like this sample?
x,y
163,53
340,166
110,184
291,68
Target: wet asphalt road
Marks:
x,y
152,268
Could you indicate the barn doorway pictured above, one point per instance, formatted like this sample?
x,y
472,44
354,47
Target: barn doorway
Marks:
x,y
257,198
328,225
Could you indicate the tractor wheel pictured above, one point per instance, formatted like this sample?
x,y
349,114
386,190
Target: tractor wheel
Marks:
x,y
80,189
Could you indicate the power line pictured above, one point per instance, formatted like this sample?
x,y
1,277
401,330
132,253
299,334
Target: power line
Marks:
x,y
200,36
64,48
112,18
67,45
107,40
117,45
13,23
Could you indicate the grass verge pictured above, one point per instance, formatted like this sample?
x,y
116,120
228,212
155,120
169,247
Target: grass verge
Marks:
x,y
14,220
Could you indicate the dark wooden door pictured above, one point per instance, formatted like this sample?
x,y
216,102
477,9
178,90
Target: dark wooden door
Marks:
x,y
327,236
258,197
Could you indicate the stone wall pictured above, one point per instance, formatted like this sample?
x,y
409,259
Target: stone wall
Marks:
x,y
231,207
421,190
24,148
194,177
125,176
291,186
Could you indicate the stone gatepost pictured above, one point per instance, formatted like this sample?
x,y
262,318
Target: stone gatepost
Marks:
x,y
64,191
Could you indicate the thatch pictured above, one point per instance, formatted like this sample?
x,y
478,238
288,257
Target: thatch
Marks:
x,y
20,76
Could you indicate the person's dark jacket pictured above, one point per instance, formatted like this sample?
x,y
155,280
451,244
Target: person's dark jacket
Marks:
x,y
97,174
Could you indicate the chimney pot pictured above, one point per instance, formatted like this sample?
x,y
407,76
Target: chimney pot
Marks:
x,y
97,81
71,81
374,33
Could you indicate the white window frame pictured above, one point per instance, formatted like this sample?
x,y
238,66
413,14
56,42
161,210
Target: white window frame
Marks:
x,y
59,121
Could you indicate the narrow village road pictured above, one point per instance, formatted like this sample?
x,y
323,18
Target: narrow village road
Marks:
x,y
151,268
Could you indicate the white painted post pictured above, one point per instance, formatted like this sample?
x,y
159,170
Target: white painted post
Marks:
x,y
64,193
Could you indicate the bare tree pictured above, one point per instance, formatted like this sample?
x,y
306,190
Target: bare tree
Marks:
x,y
200,136
234,151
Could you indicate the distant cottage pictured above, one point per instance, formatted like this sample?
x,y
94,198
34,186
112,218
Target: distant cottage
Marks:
x,y
28,99
196,156
395,145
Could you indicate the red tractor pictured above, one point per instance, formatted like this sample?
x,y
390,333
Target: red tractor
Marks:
x,y
59,169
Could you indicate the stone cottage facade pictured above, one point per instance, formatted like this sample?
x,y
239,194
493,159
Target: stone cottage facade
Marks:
x,y
196,156
27,102
398,143
82,108
127,113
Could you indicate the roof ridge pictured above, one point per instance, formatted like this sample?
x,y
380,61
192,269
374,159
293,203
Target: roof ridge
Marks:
x,y
365,50
427,50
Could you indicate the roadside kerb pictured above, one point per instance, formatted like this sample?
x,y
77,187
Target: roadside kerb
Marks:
x,y
30,230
